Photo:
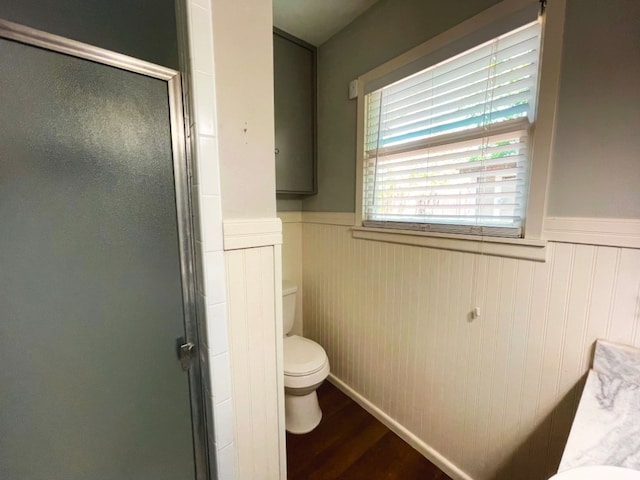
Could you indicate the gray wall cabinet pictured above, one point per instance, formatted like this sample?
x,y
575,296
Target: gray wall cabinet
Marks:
x,y
295,115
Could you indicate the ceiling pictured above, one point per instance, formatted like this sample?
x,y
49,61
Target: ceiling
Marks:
x,y
315,21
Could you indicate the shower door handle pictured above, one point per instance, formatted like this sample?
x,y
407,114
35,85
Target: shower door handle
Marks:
x,y
186,353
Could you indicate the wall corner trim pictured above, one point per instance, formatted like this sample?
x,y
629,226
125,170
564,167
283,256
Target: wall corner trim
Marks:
x,y
396,427
612,232
251,233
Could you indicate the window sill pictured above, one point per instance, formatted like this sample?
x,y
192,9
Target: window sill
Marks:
x,y
520,248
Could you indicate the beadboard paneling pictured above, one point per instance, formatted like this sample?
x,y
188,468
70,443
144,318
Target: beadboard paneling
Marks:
x,y
253,283
495,396
292,259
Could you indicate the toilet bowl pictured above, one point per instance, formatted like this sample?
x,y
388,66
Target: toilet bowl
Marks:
x,y
306,366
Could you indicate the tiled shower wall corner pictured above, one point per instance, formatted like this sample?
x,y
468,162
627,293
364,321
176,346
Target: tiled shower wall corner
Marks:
x,y
496,395
199,87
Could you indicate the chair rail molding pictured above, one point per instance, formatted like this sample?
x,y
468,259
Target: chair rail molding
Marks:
x,y
251,233
614,232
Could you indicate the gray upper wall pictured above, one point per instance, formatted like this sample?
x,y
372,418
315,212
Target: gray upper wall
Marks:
x,y
288,204
596,163
144,29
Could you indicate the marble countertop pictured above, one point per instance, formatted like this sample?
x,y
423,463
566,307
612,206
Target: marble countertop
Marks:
x,y
606,428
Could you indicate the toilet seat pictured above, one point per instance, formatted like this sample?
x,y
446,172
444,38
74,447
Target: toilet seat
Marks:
x,y
305,363
303,357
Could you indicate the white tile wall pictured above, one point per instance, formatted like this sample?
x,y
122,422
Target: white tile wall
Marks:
x,y
223,413
495,396
209,174
210,259
226,460
214,280
204,107
221,378
217,331
200,36
211,215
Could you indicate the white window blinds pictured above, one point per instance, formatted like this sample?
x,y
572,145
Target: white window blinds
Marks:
x,y
446,149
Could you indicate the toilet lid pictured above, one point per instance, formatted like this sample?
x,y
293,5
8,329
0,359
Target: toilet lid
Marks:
x,y
302,356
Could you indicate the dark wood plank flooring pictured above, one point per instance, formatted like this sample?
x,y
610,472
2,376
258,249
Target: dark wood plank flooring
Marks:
x,y
351,444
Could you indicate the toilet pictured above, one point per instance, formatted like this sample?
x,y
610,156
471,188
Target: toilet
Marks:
x,y
305,368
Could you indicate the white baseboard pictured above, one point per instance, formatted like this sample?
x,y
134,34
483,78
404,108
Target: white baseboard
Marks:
x,y
428,452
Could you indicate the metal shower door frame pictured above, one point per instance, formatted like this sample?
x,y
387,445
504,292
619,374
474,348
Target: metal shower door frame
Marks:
x,y
181,173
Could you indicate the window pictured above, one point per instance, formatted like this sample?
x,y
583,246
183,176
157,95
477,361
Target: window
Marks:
x,y
447,149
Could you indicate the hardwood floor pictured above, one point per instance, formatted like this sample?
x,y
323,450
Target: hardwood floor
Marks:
x,y
351,444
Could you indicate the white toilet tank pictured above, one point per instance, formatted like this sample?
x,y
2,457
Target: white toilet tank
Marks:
x,y
289,291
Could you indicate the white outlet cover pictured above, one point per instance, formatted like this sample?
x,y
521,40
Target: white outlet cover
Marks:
x,y
353,89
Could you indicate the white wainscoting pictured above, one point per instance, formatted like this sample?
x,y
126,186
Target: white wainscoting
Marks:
x,y
254,298
292,259
495,396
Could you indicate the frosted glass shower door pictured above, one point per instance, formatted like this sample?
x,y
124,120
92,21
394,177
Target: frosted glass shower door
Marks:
x,y
91,299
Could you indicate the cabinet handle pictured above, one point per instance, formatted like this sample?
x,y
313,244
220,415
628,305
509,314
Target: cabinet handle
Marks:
x,y
277,151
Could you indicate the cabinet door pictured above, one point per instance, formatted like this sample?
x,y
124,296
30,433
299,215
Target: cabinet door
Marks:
x,y
294,84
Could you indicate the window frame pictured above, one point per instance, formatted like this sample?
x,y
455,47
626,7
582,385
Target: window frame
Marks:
x,y
530,246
